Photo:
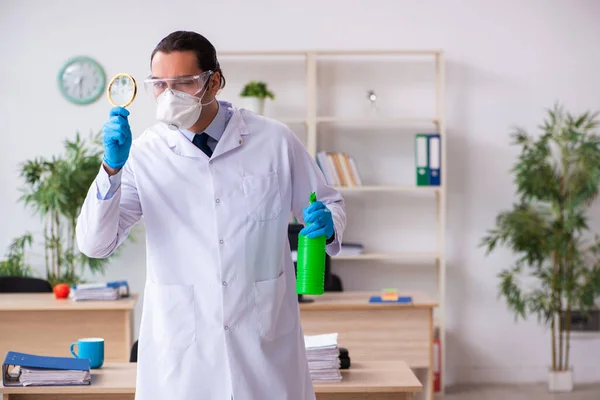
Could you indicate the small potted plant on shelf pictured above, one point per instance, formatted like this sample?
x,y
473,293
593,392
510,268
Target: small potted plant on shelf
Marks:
x,y
557,176
255,94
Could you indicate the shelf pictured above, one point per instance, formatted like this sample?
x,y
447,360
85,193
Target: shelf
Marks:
x,y
415,52
378,120
416,189
432,52
290,120
431,256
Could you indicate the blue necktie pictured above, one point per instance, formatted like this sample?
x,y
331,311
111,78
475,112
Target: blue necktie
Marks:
x,y
201,142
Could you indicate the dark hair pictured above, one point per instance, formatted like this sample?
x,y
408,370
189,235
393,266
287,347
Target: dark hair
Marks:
x,y
192,41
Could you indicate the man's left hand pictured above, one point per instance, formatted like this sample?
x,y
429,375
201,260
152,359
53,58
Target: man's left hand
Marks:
x,y
320,220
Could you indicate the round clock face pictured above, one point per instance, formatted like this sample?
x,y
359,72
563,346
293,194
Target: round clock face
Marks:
x,y
81,80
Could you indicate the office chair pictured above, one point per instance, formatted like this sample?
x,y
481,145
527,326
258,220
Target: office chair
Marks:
x,y
134,351
18,284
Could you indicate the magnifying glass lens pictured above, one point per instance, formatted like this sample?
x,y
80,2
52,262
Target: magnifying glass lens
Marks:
x,y
122,90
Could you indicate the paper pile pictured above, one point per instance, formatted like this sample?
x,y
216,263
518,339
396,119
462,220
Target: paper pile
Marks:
x,y
49,377
323,357
100,291
351,249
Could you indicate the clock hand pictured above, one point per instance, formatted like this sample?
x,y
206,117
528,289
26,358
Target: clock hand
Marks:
x,y
80,84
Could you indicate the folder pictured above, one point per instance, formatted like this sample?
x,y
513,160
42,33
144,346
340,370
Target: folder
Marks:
x,y
422,159
435,159
400,299
21,369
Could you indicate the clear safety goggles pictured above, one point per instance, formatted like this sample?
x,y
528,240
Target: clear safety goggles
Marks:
x,y
187,84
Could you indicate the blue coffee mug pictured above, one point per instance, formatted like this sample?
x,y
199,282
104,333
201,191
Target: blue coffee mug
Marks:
x,y
91,348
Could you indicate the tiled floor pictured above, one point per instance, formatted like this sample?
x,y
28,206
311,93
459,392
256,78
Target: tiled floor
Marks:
x,y
520,392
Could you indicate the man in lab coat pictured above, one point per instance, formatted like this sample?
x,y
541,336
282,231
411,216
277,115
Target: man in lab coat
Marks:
x,y
215,186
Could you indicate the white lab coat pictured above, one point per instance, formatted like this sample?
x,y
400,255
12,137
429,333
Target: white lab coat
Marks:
x,y
220,314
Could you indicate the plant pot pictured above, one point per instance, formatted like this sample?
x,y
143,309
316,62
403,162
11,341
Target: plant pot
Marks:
x,y
255,104
560,381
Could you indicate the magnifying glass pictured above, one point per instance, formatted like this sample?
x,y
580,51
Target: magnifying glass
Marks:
x,y
122,90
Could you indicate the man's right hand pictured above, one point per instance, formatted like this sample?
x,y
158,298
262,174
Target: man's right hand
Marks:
x,y
116,136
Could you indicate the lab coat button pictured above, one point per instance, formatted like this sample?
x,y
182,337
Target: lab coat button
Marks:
x,y
221,241
226,328
224,283
210,162
218,201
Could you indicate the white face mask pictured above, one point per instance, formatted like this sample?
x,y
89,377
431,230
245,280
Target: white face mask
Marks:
x,y
177,109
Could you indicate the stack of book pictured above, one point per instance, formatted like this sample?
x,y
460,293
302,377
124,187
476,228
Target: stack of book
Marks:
x,y
100,291
339,169
323,357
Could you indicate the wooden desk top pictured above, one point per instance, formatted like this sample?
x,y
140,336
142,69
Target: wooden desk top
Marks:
x,y
360,300
47,302
119,378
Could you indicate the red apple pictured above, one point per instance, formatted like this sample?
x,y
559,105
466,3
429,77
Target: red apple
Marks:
x,y
61,291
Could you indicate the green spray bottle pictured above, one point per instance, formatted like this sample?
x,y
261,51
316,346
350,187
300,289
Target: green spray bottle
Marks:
x,y
310,277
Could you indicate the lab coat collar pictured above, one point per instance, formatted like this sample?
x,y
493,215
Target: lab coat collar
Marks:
x,y
233,136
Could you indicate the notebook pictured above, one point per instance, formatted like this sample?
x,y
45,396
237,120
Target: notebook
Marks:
x,y
21,369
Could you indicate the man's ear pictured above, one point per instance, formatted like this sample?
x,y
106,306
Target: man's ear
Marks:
x,y
215,84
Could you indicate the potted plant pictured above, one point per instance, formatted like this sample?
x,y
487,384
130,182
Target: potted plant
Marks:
x,y
557,176
254,94
55,189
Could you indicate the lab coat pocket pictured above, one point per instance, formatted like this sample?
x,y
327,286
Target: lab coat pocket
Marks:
x,y
173,315
274,318
263,198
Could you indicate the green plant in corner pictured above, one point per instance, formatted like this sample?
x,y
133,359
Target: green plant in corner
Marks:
x,y
55,189
557,176
15,264
257,89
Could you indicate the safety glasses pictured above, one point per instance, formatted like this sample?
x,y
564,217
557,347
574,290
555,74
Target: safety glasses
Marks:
x,y
187,84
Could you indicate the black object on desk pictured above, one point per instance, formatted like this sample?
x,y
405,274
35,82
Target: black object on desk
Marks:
x,y
344,358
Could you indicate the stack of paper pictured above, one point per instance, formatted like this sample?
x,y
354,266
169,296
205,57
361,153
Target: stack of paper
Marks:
x,y
100,291
49,377
323,356
21,369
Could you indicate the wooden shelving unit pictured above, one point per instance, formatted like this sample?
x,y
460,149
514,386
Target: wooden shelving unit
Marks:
x,y
425,256
311,121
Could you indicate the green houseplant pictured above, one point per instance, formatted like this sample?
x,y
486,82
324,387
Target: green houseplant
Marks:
x,y
55,189
15,263
557,267
255,93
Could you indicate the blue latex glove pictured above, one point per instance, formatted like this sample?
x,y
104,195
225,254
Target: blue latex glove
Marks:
x,y
320,219
116,136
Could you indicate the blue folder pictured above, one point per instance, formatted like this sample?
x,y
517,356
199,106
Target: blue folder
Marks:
x,y
435,159
401,299
33,361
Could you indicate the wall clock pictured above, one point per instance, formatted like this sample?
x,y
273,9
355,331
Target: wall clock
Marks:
x,y
81,80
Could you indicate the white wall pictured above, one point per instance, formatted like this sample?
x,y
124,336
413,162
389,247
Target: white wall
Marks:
x,y
506,60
